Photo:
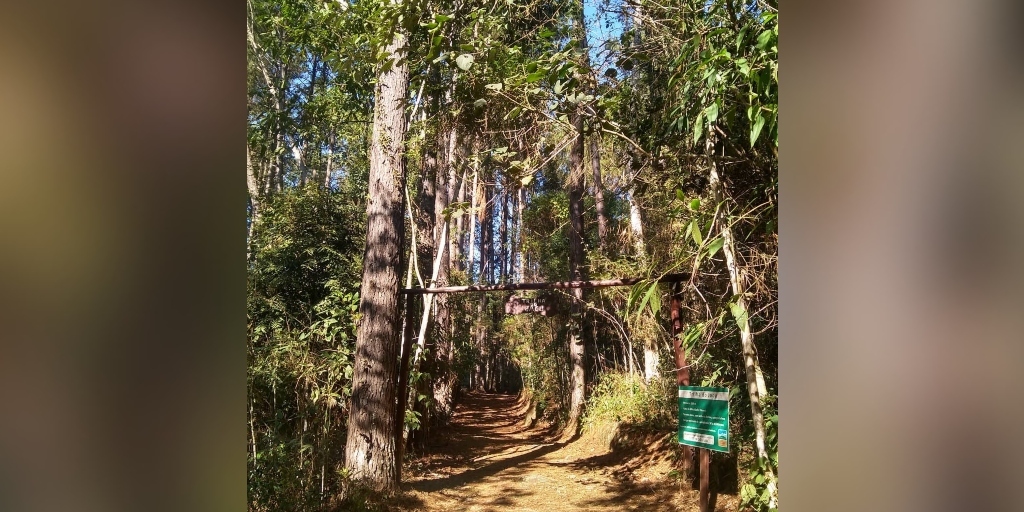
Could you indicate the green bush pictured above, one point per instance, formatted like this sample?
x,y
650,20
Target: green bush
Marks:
x,y
626,398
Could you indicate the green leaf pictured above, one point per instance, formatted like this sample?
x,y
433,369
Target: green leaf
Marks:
x,y
464,61
695,232
698,127
634,292
467,47
739,313
679,194
441,18
695,204
531,67
743,66
712,113
647,297
533,77
655,300
755,130
715,245
739,37
763,38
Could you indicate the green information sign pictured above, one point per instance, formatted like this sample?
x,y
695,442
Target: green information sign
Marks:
x,y
704,417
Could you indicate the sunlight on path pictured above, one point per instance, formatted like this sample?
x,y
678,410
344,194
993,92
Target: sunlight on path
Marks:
x,y
489,462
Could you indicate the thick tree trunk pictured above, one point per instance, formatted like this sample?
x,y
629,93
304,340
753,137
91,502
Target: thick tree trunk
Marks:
x,y
370,451
756,390
577,332
577,344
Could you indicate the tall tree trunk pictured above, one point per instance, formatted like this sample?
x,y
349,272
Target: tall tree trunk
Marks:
x,y
503,235
445,380
577,344
425,239
520,261
756,389
330,163
487,235
370,451
458,255
474,204
595,166
300,153
254,202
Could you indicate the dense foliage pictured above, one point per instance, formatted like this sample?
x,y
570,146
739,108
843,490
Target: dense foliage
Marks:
x,y
676,105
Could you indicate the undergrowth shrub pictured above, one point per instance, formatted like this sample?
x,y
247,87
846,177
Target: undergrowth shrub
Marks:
x,y
626,398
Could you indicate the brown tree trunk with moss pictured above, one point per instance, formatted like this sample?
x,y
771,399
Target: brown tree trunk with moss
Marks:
x,y
370,451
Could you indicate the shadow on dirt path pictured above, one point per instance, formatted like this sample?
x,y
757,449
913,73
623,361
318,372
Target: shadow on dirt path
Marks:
x,y
488,462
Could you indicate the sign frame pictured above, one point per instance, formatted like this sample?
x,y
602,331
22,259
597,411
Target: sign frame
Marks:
x,y
704,417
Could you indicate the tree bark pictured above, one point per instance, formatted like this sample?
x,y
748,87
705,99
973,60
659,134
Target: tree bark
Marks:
x,y
577,333
595,166
370,451
471,247
577,344
520,260
445,378
503,235
254,202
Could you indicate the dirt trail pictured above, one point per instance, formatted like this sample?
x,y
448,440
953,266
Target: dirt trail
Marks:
x,y
487,461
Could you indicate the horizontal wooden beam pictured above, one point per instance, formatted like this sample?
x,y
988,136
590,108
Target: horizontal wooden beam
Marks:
x,y
561,285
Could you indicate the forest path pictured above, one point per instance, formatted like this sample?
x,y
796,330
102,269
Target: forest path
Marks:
x,y
487,461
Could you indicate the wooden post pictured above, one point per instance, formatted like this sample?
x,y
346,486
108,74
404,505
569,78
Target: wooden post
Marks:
x,y
682,371
705,478
683,379
403,384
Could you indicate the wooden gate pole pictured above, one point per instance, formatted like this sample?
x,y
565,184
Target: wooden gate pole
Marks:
x,y
705,479
403,383
682,371
683,379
